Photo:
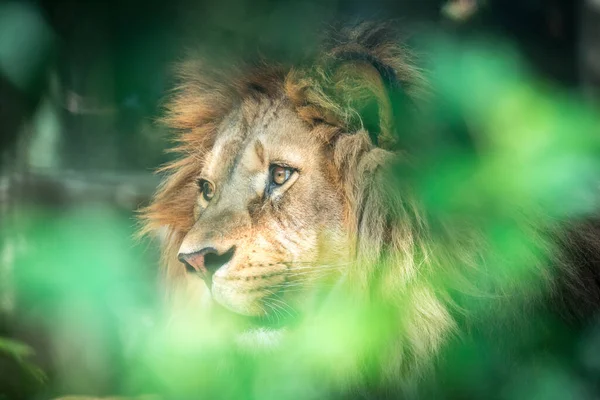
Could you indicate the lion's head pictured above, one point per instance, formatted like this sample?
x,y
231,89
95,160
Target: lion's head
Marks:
x,y
277,168
283,185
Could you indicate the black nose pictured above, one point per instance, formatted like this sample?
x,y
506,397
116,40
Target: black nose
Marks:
x,y
206,261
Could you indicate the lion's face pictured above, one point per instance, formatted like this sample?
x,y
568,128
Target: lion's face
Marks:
x,y
269,212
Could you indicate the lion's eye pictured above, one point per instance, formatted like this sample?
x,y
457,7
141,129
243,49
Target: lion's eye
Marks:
x,y
207,189
280,174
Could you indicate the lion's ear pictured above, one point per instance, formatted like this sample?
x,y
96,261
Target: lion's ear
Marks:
x,y
369,76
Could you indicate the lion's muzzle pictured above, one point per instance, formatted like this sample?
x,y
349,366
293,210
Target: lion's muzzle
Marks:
x,y
206,262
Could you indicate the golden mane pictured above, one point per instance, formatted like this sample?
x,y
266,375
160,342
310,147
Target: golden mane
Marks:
x,y
329,92
358,94
322,93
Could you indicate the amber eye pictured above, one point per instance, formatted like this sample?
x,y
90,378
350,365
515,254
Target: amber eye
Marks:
x,y
207,189
279,174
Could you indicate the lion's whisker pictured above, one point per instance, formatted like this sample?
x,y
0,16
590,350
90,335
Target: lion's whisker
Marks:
x,y
312,273
265,312
284,306
288,285
312,263
277,309
300,284
312,269
274,313
301,279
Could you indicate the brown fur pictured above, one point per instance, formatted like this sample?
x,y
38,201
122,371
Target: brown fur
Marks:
x,y
397,259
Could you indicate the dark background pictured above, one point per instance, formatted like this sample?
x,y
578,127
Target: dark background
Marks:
x,y
112,58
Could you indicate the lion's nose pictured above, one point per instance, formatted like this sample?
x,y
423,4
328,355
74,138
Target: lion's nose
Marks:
x,y
206,261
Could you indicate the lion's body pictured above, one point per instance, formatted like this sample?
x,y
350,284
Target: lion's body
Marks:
x,y
340,217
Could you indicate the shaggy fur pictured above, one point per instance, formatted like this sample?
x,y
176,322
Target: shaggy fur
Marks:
x,y
357,99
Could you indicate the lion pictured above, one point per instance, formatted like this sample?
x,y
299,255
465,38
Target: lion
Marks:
x,y
287,190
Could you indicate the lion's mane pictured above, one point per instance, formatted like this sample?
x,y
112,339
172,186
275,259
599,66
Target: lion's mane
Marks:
x,y
362,92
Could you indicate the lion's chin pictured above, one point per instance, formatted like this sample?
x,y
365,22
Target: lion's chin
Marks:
x,y
260,340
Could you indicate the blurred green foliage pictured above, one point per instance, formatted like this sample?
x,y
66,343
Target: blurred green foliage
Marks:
x,y
26,42
22,354
527,154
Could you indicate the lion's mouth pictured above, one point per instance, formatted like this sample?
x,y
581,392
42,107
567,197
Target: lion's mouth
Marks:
x,y
258,333
274,321
277,314
265,333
